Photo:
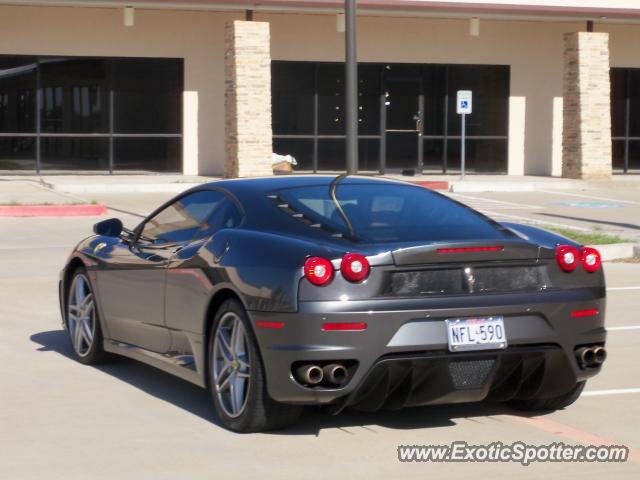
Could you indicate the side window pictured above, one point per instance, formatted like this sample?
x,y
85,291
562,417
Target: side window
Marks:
x,y
180,221
226,215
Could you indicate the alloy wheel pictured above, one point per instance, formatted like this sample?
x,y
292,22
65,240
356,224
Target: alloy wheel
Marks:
x,y
231,365
81,315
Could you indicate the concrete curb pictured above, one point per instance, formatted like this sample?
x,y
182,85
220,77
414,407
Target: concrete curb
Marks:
x,y
88,210
617,251
432,185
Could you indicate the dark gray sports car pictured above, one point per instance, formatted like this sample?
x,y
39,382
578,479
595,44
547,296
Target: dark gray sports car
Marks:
x,y
280,292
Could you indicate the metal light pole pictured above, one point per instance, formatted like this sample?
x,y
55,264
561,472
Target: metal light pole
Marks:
x,y
351,87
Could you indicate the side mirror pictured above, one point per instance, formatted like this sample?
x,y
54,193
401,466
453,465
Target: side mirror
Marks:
x,y
109,228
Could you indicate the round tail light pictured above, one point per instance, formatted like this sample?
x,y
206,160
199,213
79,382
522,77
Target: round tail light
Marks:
x,y
318,270
354,267
567,257
591,259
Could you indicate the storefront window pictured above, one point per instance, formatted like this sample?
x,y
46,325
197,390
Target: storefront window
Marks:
x,y
406,115
17,113
293,98
91,114
625,118
17,95
147,96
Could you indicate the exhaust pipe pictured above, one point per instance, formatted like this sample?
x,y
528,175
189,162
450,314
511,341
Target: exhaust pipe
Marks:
x,y
335,373
586,356
600,355
309,374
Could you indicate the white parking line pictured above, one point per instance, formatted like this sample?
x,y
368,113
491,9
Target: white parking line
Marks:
x,y
615,391
618,329
614,289
498,203
534,222
588,196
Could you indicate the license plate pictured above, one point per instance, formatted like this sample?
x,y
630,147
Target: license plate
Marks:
x,y
484,333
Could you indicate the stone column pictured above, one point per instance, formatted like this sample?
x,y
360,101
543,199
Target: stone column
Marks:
x,y
586,135
248,148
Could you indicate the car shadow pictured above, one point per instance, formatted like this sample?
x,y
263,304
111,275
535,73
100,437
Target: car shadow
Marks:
x,y
195,400
157,383
350,422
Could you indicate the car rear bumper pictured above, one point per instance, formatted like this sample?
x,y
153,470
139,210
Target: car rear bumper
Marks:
x,y
426,378
405,350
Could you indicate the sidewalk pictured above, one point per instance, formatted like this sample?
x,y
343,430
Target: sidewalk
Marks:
x,y
498,183
27,198
474,183
88,184
30,192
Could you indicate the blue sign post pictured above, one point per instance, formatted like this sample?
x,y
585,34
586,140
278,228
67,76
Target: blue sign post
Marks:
x,y
464,107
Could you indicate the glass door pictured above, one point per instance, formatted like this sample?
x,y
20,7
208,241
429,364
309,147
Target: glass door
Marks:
x,y
404,105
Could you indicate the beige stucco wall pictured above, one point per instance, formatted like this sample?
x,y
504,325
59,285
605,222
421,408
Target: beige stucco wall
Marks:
x,y
532,49
198,37
619,4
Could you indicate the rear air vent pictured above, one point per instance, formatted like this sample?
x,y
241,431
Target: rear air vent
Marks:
x,y
452,281
287,208
470,373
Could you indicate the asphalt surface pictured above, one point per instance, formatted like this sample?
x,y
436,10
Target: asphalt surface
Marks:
x,y
61,419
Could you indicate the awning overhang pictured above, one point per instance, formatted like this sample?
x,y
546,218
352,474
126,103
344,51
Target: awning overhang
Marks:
x,y
624,11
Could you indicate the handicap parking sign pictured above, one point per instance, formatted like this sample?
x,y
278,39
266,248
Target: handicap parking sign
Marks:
x,y
464,103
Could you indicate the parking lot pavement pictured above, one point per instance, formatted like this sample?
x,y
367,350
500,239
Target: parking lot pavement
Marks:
x,y
60,419
613,211
132,204
29,192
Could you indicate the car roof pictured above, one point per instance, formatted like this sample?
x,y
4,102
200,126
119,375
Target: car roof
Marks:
x,y
262,214
258,210
252,193
263,185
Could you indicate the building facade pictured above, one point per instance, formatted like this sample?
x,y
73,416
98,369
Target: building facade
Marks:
x,y
82,91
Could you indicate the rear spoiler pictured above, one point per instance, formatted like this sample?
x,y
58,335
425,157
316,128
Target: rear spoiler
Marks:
x,y
481,250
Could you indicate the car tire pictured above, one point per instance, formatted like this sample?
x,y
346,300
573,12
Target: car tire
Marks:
x,y
236,376
549,404
82,320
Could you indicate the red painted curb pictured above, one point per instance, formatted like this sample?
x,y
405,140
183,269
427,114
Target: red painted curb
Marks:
x,y
52,210
433,185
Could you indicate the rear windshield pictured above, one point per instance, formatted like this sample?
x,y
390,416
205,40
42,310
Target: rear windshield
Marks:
x,y
377,213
